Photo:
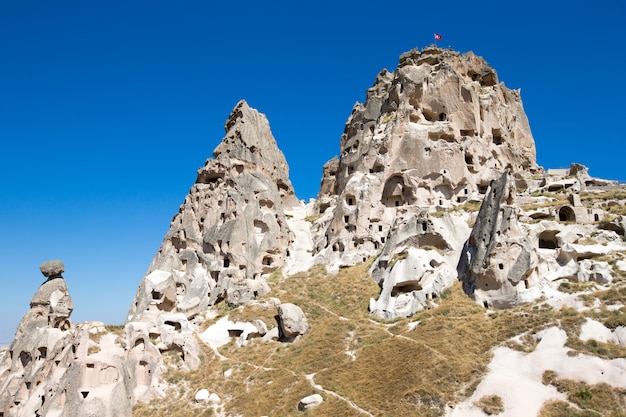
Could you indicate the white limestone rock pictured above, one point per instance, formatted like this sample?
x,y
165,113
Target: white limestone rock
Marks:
x,y
51,368
499,262
310,401
417,263
231,230
431,135
292,321
598,271
202,395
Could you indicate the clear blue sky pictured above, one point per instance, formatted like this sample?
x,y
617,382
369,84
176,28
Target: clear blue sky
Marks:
x,y
108,108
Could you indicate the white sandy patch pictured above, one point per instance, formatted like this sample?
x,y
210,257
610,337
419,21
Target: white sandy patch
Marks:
x,y
301,252
218,335
516,377
592,329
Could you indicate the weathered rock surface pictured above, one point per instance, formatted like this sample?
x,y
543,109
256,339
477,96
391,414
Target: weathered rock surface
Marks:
x,y
310,401
292,321
417,263
50,368
230,232
498,262
430,135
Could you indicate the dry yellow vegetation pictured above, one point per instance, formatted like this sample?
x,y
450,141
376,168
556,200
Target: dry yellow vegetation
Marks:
x,y
360,363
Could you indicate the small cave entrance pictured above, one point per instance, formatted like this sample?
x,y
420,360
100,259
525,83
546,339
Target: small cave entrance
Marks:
x,y
393,192
497,136
566,214
405,287
175,324
548,240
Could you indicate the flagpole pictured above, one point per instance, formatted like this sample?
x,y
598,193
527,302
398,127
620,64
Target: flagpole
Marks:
x,y
438,37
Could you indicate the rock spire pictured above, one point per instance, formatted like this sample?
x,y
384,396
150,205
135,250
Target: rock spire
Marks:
x,y
230,232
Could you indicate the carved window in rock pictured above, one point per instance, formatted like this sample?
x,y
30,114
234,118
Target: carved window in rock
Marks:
x,y
43,352
497,136
142,373
548,240
175,324
25,358
260,229
393,192
567,214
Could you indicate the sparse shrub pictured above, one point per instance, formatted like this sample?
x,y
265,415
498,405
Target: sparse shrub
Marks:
x,y
491,404
313,218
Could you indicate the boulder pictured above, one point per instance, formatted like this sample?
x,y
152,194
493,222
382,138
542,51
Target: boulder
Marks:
x,y
310,401
52,268
202,395
292,320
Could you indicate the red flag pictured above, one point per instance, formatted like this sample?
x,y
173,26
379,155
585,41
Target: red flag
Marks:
x,y
438,37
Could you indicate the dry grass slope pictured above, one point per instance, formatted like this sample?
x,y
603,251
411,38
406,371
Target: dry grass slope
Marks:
x,y
387,369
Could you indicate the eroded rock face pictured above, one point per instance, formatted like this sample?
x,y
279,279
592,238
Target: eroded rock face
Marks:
x,y
51,368
499,260
417,263
432,134
230,232
292,321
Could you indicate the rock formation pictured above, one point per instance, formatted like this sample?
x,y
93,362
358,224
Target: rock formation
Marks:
x,y
498,260
292,321
417,263
431,135
50,369
434,139
230,231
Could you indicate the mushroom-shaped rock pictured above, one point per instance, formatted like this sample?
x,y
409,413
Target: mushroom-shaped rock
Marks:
x,y
52,269
51,305
292,320
310,401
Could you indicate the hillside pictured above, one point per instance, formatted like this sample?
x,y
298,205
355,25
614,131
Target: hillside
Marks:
x,y
439,272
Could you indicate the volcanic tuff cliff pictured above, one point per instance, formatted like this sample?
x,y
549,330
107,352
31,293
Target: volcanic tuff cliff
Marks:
x,y
431,134
435,139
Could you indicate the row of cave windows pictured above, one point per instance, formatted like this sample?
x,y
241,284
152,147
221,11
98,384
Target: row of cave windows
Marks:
x,y
496,135
26,358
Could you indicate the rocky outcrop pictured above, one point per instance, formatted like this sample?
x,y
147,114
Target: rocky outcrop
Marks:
x,y
292,321
498,263
417,263
230,231
431,135
229,234
55,369
428,145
